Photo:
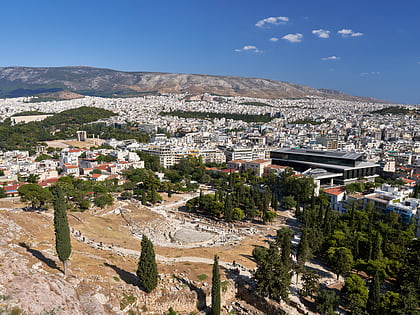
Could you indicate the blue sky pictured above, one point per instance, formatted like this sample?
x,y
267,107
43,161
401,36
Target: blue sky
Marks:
x,y
366,48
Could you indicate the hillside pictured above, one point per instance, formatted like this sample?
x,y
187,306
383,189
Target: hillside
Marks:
x,y
62,82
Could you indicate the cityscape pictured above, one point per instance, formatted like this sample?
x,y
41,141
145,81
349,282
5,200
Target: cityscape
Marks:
x,y
351,154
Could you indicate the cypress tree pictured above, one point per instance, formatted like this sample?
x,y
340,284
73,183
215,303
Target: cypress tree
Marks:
x,y
228,208
143,198
215,288
283,240
274,201
147,269
373,303
377,246
304,251
61,227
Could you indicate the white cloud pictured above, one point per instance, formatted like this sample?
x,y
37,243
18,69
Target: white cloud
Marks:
x,y
273,21
293,38
321,33
330,58
346,32
250,48
273,39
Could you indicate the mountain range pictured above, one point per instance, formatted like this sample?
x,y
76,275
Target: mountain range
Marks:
x,y
73,82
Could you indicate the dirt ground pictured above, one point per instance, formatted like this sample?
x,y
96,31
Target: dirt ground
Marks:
x,y
104,264
73,143
110,228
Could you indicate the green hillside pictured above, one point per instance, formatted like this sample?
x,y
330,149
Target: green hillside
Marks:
x,y
62,125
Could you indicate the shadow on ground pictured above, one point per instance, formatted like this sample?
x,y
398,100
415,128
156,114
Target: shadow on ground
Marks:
x,y
39,255
125,276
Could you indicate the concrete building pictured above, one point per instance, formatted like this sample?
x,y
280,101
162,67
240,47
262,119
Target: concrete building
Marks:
x,y
336,196
349,165
238,153
257,165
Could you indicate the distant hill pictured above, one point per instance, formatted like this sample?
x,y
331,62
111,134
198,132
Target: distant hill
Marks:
x,y
71,82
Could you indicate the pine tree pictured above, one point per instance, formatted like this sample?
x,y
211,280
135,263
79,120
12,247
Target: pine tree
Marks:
x,y
147,268
326,302
273,274
373,304
61,227
215,288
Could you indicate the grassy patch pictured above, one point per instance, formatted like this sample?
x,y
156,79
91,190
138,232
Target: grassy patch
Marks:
x,y
202,277
224,285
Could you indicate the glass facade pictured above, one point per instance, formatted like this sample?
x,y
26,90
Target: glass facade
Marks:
x,y
350,168
313,158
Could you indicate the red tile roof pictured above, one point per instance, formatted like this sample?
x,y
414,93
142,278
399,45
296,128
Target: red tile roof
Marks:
x,y
336,191
259,161
229,170
237,161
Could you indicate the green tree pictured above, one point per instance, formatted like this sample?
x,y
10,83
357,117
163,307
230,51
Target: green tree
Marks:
x,y
272,277
61,227
143,198
126,195
43,157
283,240
103,200
147,268
238,214
106,158
228,215
215,288
326,302
84,204
304,251
269,216
35,195
32,178
310,282
390,302
341,260
373,303
273,274
288,202
274,202
171,311
2,193
356,293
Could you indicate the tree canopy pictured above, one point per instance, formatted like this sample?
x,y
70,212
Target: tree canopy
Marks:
x,y
147,268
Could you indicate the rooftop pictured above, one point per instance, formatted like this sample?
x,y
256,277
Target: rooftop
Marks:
x,y
332,154
336,191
